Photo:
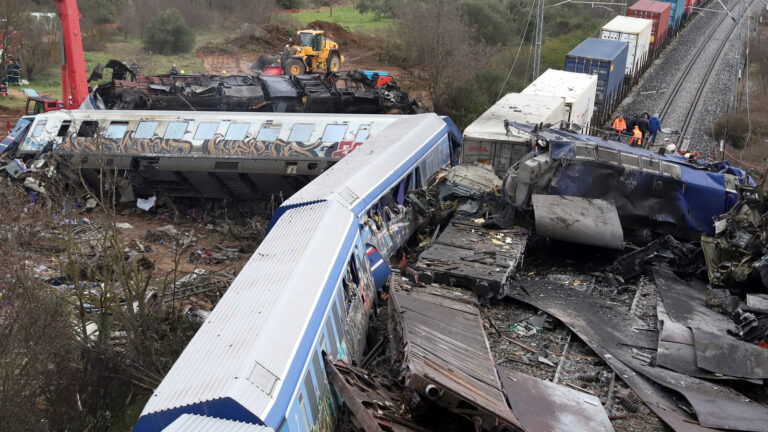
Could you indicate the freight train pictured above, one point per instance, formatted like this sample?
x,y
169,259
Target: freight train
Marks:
x,y
597,74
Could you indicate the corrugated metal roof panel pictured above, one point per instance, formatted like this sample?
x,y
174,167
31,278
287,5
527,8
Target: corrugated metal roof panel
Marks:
x,y
354,177
524,108
240,357
197,423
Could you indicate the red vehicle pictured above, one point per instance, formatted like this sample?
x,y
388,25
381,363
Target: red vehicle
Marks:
x,y
74,84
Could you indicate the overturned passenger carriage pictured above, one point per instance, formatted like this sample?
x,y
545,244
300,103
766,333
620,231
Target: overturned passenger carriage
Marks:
x,y
208,154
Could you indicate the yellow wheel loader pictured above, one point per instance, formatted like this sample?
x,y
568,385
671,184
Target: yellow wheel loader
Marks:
x,y
315,52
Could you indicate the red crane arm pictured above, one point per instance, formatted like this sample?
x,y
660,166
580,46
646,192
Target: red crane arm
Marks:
x,y
73,76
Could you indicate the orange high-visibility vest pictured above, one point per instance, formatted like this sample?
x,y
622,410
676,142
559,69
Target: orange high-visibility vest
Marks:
x,y
637,137
619,125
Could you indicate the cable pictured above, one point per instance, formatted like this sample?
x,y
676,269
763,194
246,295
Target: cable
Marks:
x,y
522,40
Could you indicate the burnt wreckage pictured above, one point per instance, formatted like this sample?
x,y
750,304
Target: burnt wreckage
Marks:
x,y
344,92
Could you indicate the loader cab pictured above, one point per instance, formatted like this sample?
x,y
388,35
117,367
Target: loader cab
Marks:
x,y
312,39
38,105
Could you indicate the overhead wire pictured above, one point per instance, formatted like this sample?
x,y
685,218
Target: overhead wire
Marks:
x,y
522,41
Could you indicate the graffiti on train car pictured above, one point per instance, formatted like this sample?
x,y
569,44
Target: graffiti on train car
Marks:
x,y
345,148
218,146
126,144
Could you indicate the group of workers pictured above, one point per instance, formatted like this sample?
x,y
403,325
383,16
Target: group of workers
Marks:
x,y
12,77
640,130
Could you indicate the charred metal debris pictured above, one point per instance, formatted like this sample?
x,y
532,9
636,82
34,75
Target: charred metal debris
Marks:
x,y
344,92
642,326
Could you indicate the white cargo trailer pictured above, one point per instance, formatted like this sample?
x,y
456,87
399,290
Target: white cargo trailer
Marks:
x,y
634,31
578,89
487,141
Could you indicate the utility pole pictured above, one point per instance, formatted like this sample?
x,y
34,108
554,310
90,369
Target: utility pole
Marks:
x,y
539,34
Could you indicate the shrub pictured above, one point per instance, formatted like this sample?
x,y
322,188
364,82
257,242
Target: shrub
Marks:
x,y
168,33
733,128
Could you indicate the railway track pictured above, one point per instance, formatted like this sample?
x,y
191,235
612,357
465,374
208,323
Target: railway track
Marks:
x,y
709,67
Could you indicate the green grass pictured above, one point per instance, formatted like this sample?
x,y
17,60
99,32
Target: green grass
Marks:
x,y
346,16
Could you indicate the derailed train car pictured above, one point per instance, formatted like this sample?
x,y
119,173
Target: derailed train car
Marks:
x,y
203,154
646,190
307,291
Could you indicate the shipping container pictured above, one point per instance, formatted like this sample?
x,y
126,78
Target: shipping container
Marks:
x,y
636,32
676,12
578,89
486,140
656,11
605,58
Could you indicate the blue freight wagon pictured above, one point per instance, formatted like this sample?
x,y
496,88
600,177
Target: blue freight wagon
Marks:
x,y
605,58
676,14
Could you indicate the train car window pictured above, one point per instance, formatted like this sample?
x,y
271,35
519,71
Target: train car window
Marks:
x,y
319,374
116,130
38,130
352,269
337,322
608,155
362,134
64,128
145,130
206,130
650,165
582,151
175,130
334,133
301,132
304,412
424,172
630,161
268,134
417,178
332,339
309,386
340,303
88,129
237,131
671,170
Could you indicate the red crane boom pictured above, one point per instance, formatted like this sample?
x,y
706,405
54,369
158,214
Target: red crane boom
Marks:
x,y
74,85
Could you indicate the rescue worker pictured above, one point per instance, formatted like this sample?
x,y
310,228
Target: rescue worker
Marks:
x,y
13,75
174,71
643,124
135,70
619,126
637,137
655,126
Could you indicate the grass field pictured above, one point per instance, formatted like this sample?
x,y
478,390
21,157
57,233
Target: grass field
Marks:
x,y
345,16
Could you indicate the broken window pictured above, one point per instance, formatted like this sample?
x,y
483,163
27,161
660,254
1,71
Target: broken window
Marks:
x,y
301,132
176,130
650,165
582,151
145,130
608,155
38,130
670,170
64,128
334,133
268,133
630,161
362,134
237,131
206,130
116,130
88,129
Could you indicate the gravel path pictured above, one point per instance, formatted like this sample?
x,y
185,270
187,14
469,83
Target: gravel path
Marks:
x,y
652,91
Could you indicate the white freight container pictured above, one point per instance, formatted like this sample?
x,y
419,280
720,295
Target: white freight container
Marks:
x,y
487,141
634,31
578,89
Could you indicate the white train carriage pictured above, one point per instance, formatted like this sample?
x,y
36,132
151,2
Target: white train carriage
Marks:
x,y
307,290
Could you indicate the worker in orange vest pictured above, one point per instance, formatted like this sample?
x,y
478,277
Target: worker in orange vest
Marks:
x,y
637,137
619,126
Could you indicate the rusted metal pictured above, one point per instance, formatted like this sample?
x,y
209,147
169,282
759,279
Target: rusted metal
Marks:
x,y
543,406
439,340
470,256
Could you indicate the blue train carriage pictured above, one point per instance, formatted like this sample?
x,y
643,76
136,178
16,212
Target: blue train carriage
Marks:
x,y
605,58
664,193
210,154
308,289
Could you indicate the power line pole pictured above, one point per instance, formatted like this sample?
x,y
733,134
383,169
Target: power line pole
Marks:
x,y
539,34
